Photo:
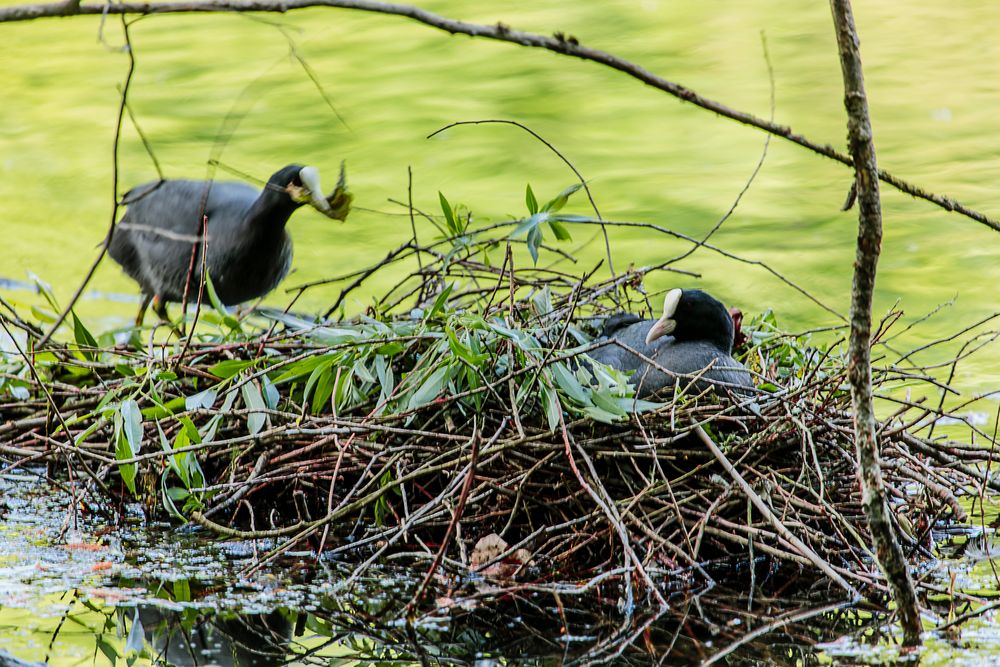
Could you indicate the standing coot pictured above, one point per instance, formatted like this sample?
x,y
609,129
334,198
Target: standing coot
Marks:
x,y
249,250
695,333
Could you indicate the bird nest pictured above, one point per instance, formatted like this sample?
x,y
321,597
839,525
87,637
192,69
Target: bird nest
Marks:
x,y
463,435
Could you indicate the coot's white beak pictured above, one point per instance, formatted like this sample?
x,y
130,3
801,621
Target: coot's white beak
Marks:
x,y
310,178
666,324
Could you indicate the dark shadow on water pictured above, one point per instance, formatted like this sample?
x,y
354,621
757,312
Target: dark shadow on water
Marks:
x,y
197,603
486,629
226,640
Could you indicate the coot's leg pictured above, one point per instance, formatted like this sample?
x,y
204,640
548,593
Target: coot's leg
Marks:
x,y
143,305
160,308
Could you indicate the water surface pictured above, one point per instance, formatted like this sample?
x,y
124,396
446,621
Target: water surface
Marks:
x,y
647,156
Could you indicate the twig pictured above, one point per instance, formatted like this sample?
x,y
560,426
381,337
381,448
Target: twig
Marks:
x,y
859,129
762,507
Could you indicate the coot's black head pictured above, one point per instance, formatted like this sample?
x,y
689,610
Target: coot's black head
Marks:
x,y
300,184
692,314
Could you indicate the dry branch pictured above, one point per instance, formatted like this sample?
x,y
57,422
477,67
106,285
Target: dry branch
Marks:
x,y
862,145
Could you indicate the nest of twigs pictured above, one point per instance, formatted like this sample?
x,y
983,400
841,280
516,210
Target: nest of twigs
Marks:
x,y
452,426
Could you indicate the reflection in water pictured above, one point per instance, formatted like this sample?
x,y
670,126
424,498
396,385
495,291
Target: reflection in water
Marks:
x,y
520,630
225,640
8,660
71,598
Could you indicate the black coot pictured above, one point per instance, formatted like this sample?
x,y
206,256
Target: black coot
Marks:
x,y
695,333
249,250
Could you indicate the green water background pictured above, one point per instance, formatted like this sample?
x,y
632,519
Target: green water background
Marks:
x,y
932,70
932,74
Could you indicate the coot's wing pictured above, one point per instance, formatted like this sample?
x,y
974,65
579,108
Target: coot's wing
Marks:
x,y
617,322
630,330
173,208
153,240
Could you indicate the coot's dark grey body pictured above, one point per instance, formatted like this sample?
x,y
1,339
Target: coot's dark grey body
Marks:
x,y
249,251
702,338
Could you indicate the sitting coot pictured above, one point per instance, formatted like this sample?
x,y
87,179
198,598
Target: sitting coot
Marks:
x,y
249,251
695,333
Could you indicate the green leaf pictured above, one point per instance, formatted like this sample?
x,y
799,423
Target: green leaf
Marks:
x,y
94,425
168,502
542,301
84,339
361,370
123,452
124,370
563,217
568,383
561,233
472,381
344,387
230,367
390,349
603,416
108,398
553,410
605,401
213,297
560,200
386,378
463,351
318,372
190,429
161,410
528,224
107,649
271,393
335,336
254,401
449,215
45,290
529,199
304,367
132,423
324,388
208,430
182,590
639,406
429,389
175,462
439,302
534,242
46,316
203,400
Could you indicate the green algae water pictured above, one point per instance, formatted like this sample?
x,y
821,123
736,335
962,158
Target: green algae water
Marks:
x,y
647,156
76,590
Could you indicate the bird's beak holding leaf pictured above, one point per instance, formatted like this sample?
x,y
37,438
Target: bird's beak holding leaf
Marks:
x,y
666,324
339,201
311,191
